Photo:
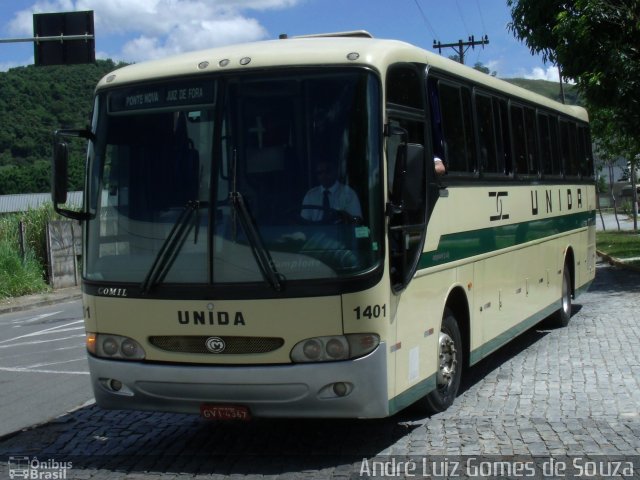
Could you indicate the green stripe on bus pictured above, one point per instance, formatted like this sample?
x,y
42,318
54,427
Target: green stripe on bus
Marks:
x,y
461,245
412,395
508,335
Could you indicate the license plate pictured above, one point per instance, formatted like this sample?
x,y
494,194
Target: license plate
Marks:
x,y
225,412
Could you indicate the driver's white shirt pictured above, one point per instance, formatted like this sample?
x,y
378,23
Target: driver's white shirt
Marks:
x,y
341,198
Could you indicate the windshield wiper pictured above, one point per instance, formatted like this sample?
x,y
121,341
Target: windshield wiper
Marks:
x,y
170,247
260,252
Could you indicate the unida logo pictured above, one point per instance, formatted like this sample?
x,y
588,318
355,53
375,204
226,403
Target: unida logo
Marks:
x,y
215,344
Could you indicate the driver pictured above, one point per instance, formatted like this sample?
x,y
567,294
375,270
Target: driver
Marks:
x,y
329,197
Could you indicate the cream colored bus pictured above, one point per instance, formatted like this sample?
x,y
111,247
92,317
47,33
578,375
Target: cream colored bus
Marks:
x,y
265,233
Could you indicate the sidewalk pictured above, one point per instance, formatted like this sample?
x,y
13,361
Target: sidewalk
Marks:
x,y
26,302
626,224
610,224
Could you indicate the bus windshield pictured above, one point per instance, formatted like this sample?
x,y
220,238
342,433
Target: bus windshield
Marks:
x,y
264,179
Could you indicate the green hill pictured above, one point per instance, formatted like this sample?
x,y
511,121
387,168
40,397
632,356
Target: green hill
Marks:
x,y
34,102
549,89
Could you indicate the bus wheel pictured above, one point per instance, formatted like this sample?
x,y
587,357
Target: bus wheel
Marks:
x,y
563,315
449,365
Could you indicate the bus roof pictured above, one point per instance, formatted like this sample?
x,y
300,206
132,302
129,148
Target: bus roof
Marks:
x,y
346,48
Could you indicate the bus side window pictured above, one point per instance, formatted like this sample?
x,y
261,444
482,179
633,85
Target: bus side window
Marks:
x,y
569,148
486,134
519,140
532,142
584,147
525,140
546,154
549,147
459,151
555,146
504,139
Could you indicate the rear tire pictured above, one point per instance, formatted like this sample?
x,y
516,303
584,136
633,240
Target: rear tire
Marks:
x,y
563,314
449,370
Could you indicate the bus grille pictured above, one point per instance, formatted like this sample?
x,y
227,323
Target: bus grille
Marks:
x,y
232,345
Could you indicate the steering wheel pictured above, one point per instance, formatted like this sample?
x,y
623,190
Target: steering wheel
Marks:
x,y
334,217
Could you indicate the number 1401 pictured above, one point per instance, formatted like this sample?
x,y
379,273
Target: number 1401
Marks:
x,y
371,311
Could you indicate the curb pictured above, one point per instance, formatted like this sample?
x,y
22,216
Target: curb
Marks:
x,y
55,419
616,262
27,302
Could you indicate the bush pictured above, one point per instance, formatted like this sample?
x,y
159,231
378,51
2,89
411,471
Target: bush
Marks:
x,y
20,276
35,226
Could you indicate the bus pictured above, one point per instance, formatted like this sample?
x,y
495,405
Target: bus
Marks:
x,y
218,280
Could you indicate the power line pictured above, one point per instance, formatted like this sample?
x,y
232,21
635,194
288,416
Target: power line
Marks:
x,y
426,20
466,27
484,27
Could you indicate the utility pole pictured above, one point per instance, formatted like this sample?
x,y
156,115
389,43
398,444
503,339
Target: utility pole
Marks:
x,y
561,85
461,47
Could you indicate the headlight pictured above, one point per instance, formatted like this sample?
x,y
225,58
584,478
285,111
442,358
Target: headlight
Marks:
x,y
337,347
114,346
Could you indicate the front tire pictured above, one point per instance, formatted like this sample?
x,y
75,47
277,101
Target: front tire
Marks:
x,y
449,370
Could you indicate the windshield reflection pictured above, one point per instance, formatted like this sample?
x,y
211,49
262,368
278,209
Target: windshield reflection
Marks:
x,y
299,152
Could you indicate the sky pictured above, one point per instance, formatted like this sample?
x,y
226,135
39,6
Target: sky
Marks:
x,y
138,30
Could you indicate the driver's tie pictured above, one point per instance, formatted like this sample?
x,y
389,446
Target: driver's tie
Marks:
x,y
326,206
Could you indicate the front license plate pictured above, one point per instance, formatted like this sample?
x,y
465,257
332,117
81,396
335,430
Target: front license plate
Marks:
x,y
225,412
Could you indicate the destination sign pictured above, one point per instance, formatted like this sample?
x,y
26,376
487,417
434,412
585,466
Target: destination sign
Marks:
x,y
162,96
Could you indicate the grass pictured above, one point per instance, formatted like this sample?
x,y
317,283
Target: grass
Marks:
x,y
18,275
622,245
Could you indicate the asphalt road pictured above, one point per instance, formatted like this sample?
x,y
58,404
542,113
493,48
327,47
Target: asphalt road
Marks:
x,y
43,366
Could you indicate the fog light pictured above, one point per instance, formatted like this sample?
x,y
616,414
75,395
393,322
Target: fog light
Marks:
x,y
115,385
340,389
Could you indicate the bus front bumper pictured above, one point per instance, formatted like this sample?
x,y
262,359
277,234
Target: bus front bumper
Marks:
x,y
295,390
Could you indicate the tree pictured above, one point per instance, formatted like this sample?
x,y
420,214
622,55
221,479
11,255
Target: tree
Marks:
x,y
595,42
36,101
484,69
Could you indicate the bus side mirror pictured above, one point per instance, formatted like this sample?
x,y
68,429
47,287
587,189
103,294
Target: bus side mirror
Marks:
x,y
60,172
408,182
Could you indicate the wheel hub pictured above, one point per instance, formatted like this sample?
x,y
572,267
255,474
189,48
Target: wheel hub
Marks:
x,y
448,360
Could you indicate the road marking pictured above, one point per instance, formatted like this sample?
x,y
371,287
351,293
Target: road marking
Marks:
x,y
38,365
43,332
35,342
23,370
26,321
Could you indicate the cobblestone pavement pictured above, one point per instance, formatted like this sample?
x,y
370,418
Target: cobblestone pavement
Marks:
x,y
551,394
